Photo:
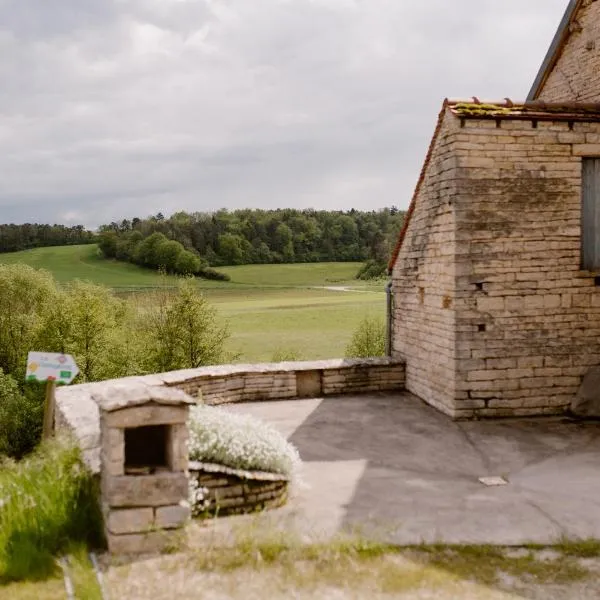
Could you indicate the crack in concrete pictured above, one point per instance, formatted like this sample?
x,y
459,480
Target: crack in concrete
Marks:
x,y
548,516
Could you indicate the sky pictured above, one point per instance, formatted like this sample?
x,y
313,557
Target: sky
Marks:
x,y
111,109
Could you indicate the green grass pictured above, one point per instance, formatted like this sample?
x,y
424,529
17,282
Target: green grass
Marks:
x,y
272,309
85,262
48,504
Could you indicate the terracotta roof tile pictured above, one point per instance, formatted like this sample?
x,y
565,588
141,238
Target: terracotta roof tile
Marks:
x,y
535,110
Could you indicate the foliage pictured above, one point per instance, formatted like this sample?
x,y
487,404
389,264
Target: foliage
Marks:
x,y
103,333
240,442
368,340
155,251
285,355
49,501
24,292
85,321
256,236
33,235
372,269
21,415
183,331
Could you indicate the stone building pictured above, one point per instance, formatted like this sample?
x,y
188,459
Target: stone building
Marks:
x,y
496,274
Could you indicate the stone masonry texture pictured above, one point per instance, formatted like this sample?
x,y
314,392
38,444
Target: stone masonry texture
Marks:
x,y
493,315
576,74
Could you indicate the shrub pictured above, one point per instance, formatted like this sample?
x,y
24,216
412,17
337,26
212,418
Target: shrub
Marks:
x,y
49,501
21,417
208,273
286,355
85,321
240,442
24,293
368,340
182,331
372,269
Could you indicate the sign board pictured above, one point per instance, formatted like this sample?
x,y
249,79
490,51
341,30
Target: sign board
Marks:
x,y
47,366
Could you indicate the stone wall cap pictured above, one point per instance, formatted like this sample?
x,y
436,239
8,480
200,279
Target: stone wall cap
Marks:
x,y
196,467
117,396
175,378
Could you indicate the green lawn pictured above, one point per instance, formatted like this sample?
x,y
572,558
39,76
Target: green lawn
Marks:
x,y
271,309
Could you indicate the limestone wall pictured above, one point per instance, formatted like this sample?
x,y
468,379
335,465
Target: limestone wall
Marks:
x,y
576,75
77,411
232,491
424,279
528,319
280,381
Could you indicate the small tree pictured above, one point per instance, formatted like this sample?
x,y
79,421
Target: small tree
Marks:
x,y
86,321
368,340
24,294
183,332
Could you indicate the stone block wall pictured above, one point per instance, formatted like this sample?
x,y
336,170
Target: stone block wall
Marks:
x,y
493,314
424,328
528,318
280,381
231,491
576,74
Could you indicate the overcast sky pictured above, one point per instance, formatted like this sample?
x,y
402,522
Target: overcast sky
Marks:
x,y
122,108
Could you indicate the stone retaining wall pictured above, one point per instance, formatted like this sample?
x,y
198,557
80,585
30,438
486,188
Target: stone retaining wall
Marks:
x,y
230,491
77,412
280,381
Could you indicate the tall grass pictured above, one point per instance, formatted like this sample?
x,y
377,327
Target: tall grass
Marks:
x,y
48,503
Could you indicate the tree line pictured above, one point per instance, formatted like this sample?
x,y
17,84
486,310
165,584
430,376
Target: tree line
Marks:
x,y
14,238
252,237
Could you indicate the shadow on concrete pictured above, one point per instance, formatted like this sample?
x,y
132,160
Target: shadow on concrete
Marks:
x,y
420,477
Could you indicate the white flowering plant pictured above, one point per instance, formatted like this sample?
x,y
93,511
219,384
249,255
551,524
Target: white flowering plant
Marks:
x,y
240,442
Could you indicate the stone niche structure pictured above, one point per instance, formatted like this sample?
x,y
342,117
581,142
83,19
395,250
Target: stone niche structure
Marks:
x,y
495,312
144,466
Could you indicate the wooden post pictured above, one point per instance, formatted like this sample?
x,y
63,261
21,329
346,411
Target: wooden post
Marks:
x,y
49,410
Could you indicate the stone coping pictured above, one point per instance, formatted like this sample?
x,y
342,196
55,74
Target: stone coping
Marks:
x,y
126,395
196,466
178,377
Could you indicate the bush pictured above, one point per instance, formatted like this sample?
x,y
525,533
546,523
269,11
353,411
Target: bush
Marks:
x,y
368,340
86,321
372,269
240,442
48,502
182,331
208,273
21,417
24,293
286,355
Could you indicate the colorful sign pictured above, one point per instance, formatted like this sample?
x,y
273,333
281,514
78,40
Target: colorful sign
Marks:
x,y
46,366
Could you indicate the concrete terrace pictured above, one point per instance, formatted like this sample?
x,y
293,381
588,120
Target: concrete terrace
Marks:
x,y
392,467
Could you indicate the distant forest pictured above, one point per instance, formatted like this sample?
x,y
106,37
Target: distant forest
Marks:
x,y
252,237
33,235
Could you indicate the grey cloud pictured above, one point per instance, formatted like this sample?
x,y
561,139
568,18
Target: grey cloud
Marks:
x,y
116,108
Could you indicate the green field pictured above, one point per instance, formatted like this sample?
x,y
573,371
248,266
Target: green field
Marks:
x,y
271,309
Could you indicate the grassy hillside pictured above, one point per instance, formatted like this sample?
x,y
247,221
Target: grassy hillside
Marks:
x,y
271,308
85,262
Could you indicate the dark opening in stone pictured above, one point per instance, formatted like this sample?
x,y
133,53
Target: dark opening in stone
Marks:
x,y
597,281
146,449
481,327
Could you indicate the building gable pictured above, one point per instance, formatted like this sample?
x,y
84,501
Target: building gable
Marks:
x,y
571,68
